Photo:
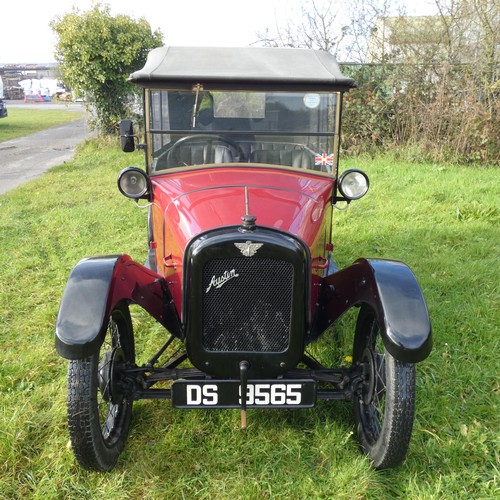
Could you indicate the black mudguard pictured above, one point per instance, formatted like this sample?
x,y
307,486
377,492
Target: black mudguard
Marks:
x,y
392,290
95,286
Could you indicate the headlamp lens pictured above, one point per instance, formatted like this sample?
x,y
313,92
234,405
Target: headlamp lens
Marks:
x,y
353,184
133,183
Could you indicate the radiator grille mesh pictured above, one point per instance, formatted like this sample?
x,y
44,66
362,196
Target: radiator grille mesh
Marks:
x,y
247,304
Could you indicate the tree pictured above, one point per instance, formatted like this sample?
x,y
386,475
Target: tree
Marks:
x,y
97,52
317,28
341,27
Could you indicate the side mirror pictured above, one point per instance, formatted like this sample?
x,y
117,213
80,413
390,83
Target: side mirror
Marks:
x,y
127,136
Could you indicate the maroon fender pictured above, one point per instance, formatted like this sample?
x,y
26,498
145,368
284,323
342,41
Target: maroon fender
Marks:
x,y
392,290
95,286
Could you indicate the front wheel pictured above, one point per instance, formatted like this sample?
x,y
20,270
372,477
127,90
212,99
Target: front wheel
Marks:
x,y
384,405
99,411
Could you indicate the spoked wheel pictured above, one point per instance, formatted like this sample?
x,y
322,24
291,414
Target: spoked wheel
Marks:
x,y
99,411
384,406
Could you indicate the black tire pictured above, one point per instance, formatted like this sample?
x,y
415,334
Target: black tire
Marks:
x,y
384,406
99,414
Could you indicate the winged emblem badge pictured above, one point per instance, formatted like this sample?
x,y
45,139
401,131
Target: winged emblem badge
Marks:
x,y
248,249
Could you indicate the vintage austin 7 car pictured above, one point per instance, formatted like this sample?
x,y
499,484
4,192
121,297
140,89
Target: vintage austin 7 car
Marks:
x,y
241,180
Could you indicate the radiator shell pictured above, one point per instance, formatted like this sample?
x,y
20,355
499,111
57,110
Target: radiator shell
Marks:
x,y
242,307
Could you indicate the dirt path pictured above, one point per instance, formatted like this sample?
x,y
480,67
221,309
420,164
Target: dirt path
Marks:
x,y
28,157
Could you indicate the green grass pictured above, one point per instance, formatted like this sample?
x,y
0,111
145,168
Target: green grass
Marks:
x,y
21,122
441,220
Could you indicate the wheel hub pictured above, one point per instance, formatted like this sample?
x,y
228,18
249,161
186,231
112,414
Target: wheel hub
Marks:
x,y
109,375
369,384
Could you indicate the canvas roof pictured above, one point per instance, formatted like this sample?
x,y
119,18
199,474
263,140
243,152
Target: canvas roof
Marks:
x,y
243,68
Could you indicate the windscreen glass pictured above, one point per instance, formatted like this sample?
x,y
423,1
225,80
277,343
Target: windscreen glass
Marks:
x,y
278,128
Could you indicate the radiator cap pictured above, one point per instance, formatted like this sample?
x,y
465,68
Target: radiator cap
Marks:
x,y
248,222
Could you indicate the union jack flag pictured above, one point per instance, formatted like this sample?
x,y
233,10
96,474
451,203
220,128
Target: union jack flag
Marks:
x,y
325,159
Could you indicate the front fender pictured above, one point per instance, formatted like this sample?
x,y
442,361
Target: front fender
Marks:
x,y
95,286
392,290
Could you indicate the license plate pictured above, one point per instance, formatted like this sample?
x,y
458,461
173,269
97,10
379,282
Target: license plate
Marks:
x,y
260,394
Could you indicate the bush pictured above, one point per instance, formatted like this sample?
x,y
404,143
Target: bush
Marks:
x,y
97,52
427,112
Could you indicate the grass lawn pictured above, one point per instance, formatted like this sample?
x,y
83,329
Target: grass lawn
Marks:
x,y
21,122
441,220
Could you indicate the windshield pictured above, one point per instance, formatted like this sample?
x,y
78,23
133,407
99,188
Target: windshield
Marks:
x,y
289,129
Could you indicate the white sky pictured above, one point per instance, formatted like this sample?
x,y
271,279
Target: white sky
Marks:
x,y
25,35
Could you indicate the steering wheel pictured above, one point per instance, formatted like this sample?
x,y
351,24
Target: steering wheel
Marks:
x,y
210,140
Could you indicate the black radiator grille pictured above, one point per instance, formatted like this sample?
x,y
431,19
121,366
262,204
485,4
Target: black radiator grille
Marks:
x,y
247,304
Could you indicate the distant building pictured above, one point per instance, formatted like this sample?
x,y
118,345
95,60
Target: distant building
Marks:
x,y
461,39
12,74
407,39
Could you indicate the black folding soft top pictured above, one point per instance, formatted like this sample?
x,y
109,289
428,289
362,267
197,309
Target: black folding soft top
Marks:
x,y
245,68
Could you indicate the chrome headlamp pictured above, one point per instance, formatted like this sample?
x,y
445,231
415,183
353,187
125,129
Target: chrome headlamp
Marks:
x,y
353,184
134,183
